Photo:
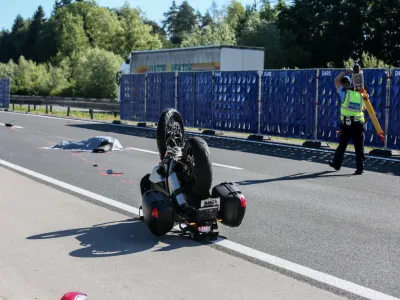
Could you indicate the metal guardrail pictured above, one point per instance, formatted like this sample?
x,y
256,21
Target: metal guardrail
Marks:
x,y
84,103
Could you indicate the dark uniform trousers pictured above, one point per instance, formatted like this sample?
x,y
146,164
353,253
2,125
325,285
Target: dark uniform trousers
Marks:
x,y
354,131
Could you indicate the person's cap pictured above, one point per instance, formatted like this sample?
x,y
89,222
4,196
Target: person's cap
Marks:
x,y
345,79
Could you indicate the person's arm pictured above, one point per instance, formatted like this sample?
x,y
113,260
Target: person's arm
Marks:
x,y
340,77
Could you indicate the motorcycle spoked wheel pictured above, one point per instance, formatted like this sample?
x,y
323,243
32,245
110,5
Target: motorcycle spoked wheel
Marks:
x,y
197,156
170,131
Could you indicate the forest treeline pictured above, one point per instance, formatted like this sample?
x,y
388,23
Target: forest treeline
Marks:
x,y
79,47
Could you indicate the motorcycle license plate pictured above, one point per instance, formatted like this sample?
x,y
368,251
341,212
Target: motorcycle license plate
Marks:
x,y
210,203
204,229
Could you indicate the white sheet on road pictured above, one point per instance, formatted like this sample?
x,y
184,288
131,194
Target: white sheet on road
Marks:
x,y
53,243
90,144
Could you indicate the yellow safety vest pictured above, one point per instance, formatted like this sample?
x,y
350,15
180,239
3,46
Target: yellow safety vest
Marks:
x,y
352,106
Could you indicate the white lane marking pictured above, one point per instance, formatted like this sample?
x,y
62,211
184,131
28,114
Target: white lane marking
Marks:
x,y
273,260
12,126
214,137
226,166
215,164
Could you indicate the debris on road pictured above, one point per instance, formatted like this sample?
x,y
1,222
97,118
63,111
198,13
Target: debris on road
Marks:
x,y
94,144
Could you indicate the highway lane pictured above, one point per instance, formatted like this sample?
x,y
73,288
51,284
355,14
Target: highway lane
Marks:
x,y
299,210
76,246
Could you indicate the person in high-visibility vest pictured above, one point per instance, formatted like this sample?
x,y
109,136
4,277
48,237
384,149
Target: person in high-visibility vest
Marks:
x,y
352,123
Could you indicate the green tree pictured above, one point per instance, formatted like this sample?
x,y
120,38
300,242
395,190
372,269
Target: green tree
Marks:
x,y
179,21
32,45
103,28
218,34
18,37
235,13
71,36
94,73
134,35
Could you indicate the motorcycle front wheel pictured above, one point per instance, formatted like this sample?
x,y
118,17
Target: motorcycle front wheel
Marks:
x,y
170,131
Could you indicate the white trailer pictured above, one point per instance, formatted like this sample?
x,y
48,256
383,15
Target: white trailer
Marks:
x,y
191,59
204,58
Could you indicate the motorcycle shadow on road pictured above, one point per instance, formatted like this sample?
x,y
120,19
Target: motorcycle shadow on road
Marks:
x,y
298,176
117,238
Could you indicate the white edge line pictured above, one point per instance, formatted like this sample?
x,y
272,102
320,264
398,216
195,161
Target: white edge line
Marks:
x,y
273,260
210,136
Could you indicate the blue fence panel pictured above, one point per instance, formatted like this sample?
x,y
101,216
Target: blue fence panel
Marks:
x,y
329,104
186,91
288,103
132,97
394,112
375,82
236,101
203,100
154,97
4,93
167,90
126,91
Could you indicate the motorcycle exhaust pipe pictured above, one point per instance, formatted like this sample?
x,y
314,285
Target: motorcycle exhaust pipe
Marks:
x,y
175,189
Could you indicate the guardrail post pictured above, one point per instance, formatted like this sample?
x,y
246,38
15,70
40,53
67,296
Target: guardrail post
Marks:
x,y
316,106
212,100
34,107
47,109
68,111
29,108
176,91
91,113
13,105
259,102
145,97
51,108
387,110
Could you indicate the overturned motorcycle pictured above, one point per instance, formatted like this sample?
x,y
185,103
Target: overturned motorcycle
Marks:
x,y
178,189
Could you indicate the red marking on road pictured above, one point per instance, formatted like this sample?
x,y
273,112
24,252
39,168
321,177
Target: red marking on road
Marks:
x,y
123,181
113,174
132,181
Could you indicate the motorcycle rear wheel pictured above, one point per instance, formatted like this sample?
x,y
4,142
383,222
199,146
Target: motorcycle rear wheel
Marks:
x,y
196,154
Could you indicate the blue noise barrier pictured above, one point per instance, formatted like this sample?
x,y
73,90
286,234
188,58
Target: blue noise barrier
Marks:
x,y
235,105
132,107
203,100
293,103
288,103
4,93
186,96
167,91
394,116
154,96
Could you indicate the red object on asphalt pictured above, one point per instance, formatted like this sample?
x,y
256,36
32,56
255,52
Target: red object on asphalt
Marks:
x,y
74,296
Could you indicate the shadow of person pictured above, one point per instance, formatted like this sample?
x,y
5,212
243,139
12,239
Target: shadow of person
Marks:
x,y
117,238
297,176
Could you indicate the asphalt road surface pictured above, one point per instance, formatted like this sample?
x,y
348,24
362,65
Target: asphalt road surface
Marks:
x,y
299,209
109,256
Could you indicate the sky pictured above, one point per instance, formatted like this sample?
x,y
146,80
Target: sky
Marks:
x,y
154,9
